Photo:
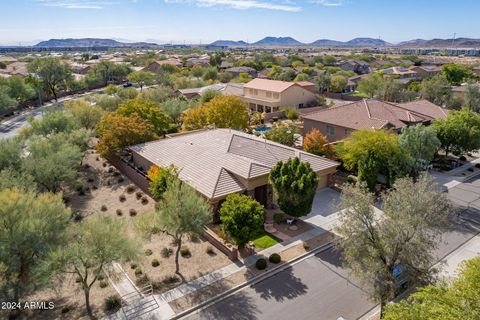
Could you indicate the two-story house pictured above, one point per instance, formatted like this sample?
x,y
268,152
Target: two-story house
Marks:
x,y
263,95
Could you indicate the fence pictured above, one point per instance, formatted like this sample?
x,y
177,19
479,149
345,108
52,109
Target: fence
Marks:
x,y
133,174
342,96
230,251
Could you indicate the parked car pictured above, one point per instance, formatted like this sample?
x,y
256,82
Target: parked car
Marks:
x,y
127,85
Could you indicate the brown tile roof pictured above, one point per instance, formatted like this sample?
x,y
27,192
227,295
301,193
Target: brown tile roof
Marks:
x,y
215,161
368,114
426,108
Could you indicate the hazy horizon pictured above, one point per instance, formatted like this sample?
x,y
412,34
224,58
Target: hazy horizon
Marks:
x,y
27,22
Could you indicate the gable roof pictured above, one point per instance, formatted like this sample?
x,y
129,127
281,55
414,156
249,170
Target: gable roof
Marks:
x,y
368,114
214,162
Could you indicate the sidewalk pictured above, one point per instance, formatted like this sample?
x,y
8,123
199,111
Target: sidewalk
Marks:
x,y
450,180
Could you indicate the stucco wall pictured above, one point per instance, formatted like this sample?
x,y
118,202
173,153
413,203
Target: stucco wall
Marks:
x,y
339,132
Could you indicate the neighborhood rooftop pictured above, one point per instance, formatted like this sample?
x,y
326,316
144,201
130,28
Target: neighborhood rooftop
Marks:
x,y
215,161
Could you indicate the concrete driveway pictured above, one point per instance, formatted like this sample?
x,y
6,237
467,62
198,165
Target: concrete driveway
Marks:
x,y
325,202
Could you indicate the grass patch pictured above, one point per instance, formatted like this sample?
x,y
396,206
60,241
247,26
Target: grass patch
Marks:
x,y
265,240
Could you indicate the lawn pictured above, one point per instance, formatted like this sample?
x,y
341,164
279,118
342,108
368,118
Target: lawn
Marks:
x,y
265,240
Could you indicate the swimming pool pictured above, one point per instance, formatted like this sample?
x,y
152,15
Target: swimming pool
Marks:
x,y
262,130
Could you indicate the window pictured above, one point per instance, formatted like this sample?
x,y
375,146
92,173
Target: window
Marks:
x,y
330,131
275,95
300,105
269,94
347,132
255,92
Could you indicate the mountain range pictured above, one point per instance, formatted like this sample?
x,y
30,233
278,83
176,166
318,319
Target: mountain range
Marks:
x,y
91,42
270,42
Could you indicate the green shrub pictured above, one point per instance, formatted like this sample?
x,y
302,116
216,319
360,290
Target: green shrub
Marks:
x,y
130,189
166,252
291,113
148,252
170,279
210,251
351,179
144,200
133,266
138,272
103,208
274,258
103,284
261,264
65,309
122,198
185,252
132,212
100,277
119,212
112,303
278,218
139,195
155,263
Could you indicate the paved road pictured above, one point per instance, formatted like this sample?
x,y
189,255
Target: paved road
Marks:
x,y
318,288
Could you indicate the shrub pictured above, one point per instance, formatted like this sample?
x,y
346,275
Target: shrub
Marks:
x,y
138,272
278,218
261,264
110,170
80,190
148,252
462,158
120,180
94,187
274,258
130,189
142,280
103,284
90,180
122,198
119,212
210,251
65,309
97,158
78,280
112,303
185,252
351,179
104,164
100,277
77,216
144,200
155,263
103,208
133,266
306,246
477,165
170,279
132,212
194,238
116,173
139,195
166,252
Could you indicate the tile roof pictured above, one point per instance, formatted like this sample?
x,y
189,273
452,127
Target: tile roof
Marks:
x,y
368,114
215,161
426,108
269,85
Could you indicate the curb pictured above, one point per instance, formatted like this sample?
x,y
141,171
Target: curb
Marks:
x,y
257,279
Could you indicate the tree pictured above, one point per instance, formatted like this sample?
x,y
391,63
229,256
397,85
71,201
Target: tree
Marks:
x,y
370,84
181,212
52,122
95,243
339,83
158,95
12,149
148,111
222,111
436,90
455,300
283,134
160,178
301,77
372,152
459,132
317,143
472,98
421,143
402,239
455,74
6,102
208,95
295,184
32,226
85,114
117,132
324,82
53,73
52,162
242,218
141,77
390,90
107,71
210,73
107,103
37,85
175,107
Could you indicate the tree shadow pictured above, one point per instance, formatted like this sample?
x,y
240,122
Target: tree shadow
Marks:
x,y
284,285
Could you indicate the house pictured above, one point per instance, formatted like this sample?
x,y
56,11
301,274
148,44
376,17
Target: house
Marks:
x,y
155,65
198,61
426,71
357,66
225,65
16,69
459,91
400,72
236,71
220,162
80,68
263,95
337,122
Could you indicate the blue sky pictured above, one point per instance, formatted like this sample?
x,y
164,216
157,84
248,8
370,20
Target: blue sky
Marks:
x,y
194,21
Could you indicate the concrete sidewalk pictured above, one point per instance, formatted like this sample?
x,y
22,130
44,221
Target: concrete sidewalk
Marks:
x,y
450,264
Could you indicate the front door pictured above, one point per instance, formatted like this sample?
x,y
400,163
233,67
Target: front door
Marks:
x,y
261,195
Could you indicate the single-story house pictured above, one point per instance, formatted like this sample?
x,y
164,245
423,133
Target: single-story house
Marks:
x,y
155,65
263,95
426,71
220,162
357,66
236,71
337,122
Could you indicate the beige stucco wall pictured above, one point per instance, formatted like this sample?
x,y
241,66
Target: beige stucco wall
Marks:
x,y
339,132
296,95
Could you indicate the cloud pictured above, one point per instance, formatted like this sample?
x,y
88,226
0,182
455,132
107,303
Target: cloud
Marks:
x,y
329,3
243,4
75,4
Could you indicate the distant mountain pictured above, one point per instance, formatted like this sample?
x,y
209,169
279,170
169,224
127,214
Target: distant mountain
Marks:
x,y
90,42
367,42
228,43
277,41
442,43
327,43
